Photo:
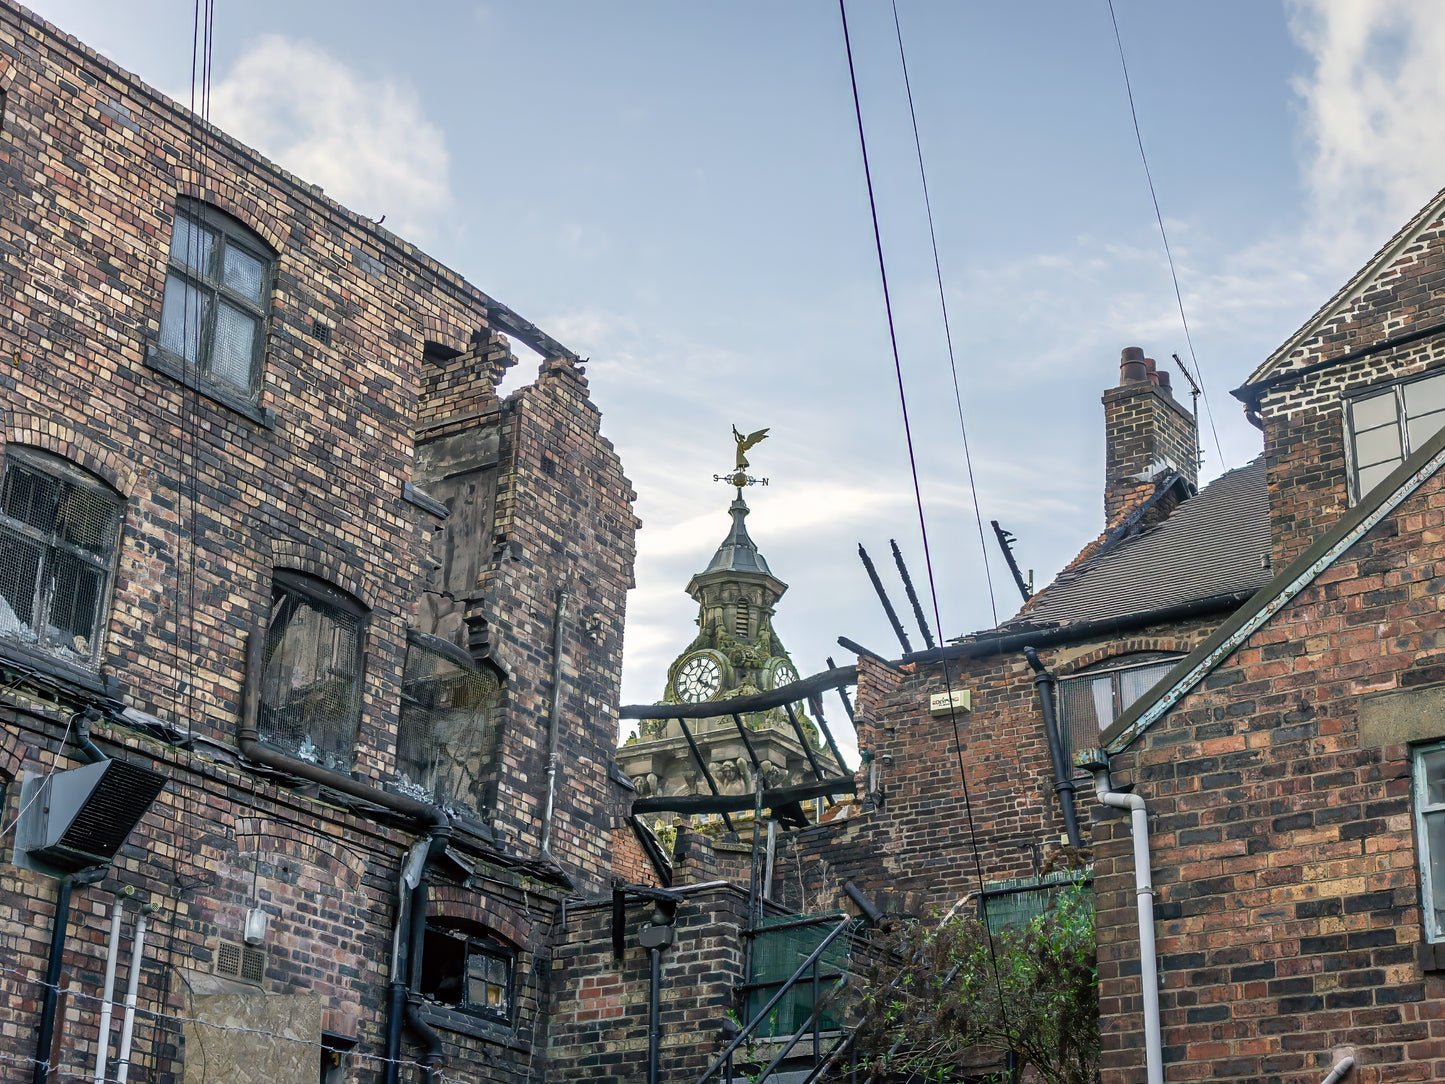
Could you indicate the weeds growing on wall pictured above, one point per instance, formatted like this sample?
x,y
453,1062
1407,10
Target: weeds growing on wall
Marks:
x,y
932,1005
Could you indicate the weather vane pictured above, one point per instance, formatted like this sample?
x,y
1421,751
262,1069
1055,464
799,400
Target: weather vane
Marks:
x,y
739,475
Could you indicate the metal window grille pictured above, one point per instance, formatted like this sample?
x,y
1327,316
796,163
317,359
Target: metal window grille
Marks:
x,y
446,741
218,291
311,679
1429,786
1092,700
1387,425
58,532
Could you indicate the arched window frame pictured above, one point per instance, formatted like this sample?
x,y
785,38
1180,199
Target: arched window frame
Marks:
x,y
60,530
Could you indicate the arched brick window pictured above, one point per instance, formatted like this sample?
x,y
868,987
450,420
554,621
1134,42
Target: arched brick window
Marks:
x,y
59,528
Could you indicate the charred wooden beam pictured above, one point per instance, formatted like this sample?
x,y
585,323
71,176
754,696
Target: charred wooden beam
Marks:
x,y
883,598
742,705
912,594
737,803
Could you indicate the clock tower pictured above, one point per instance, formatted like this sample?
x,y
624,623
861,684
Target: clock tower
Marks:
x,y
736,652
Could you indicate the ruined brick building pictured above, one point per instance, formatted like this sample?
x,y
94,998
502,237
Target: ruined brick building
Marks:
x,y
309,642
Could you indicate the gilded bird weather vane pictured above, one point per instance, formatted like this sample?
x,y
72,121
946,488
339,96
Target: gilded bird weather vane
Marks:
x,y
739,475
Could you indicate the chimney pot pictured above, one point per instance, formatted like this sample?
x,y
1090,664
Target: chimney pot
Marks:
x,y
1164,380
1132,368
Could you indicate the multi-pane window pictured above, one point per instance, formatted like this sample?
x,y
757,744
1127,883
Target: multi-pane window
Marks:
x,y
1430,830
311,678
218,290
58,532
1387,426
469,972
1092,700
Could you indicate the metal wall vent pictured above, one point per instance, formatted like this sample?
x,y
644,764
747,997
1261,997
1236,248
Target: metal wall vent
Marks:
x,y
240,962
83,816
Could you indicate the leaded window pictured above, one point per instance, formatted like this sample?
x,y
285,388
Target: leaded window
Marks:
x,y
310,699
1090,701
58,533
218,293
1386,426
1429,771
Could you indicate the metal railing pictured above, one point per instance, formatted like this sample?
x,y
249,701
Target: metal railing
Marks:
x,y
808,966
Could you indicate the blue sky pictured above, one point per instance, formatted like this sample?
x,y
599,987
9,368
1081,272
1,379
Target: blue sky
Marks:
x,y
675,190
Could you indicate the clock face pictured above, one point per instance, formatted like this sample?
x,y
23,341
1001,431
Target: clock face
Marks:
x,y
698,679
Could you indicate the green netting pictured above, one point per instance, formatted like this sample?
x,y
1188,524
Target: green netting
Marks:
x,y
777,954
1017,903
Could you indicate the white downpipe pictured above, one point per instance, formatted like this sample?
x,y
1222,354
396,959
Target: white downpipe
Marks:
x,y
122,1069
1144,894
102,1043
1340,1071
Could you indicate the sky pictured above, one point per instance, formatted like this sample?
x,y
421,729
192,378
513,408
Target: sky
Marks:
x,y
676,192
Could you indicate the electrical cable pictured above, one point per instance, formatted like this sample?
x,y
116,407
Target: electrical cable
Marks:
x,y
1168,254
943,305
917,490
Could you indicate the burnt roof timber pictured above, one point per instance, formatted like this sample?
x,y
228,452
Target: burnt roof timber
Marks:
x,y
742,705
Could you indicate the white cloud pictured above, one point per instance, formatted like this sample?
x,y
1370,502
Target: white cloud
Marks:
x,y
1372,105
366,141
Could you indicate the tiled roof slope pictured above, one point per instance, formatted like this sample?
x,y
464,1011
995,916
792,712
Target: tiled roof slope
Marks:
x,y
1216,543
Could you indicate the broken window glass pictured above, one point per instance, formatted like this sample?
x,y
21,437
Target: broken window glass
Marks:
x,y
472,973
58,533
450,708
310,697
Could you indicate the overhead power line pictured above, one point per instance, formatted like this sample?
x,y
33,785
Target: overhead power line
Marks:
x,y
1159,217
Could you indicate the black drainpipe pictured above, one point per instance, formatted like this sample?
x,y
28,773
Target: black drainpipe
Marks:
x,y
52,972
1063,773
58,931
416,935
656,936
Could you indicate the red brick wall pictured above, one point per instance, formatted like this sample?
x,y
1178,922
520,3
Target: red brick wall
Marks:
x,y
598,1028
916,851
94,163
1288,911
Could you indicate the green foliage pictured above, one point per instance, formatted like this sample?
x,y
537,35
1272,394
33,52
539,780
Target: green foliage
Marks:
x,y
944,1002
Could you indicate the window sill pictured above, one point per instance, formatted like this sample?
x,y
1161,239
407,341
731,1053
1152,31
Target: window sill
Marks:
x,y
476,1027
65,673
1430,956
170,366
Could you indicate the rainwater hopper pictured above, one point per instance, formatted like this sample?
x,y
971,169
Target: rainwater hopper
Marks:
x,y
80,817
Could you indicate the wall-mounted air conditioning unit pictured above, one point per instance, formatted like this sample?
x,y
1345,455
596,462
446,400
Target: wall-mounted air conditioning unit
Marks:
x,y
78,819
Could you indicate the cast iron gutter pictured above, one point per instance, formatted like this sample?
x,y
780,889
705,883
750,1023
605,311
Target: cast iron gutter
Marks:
x,y
742,705
1079,630
1249,394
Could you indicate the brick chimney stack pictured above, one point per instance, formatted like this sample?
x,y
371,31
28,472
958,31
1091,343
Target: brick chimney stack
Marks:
x,y
1146,435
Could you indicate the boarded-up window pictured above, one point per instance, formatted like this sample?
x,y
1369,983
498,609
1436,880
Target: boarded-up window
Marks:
x,y
58,532
311,681
449,711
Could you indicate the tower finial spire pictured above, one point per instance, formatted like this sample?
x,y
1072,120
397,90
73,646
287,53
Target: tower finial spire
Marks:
x,y
739,475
